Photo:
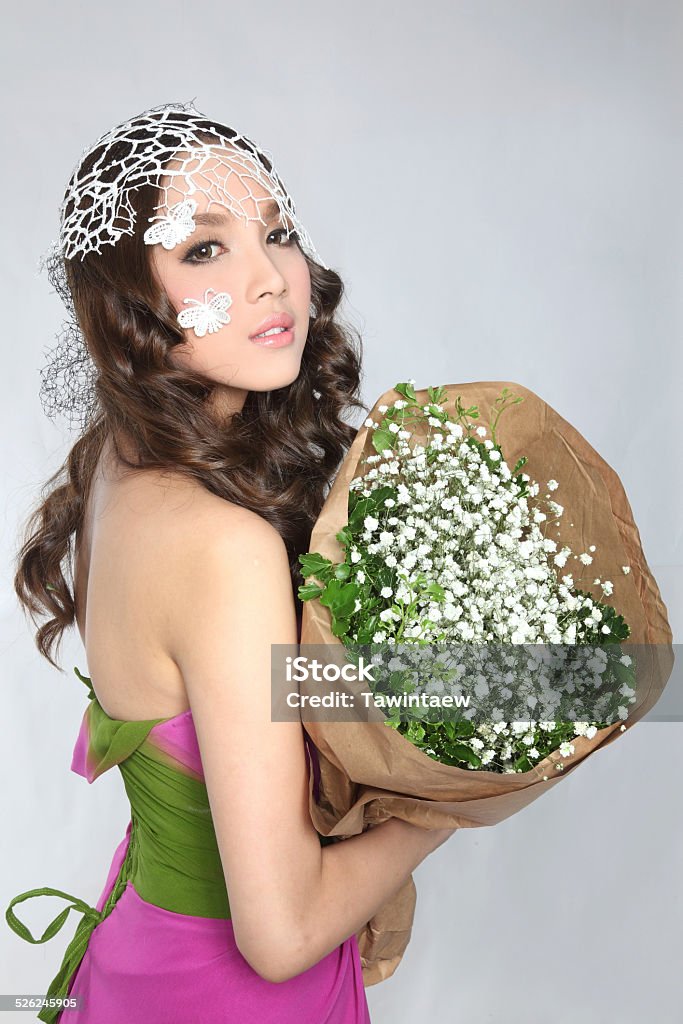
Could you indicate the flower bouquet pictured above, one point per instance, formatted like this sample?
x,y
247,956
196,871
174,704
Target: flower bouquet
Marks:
x,y
429,544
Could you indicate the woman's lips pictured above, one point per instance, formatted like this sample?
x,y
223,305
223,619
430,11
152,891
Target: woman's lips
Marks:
x,y
275,340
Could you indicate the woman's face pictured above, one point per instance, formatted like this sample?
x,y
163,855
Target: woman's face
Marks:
x,y
262,272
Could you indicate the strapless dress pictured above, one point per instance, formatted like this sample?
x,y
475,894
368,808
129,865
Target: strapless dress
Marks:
x,y
158,948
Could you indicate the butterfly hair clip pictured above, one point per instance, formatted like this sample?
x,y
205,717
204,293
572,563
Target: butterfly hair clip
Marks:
x,y
206,316
173,227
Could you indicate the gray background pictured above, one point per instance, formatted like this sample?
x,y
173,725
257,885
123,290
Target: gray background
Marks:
x,y
499,185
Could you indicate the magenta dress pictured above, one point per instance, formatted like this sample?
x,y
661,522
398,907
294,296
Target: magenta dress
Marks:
x,y
140,956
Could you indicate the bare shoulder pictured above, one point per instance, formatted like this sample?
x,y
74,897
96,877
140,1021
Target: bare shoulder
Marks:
x,y
186,518
221,562
179,542
209,529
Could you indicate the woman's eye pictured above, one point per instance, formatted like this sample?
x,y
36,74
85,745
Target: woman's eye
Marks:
x,y
197,250
289,238
201,253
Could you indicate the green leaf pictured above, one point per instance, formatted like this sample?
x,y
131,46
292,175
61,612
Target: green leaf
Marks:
x,y
314,564
415,731
358,515
382,439
624,673
464,753
345,537
368,629
309,591
406,390
340,627
340,598
522,762
377,498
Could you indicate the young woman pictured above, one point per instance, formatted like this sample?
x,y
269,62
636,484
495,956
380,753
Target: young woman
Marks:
x,y
217,377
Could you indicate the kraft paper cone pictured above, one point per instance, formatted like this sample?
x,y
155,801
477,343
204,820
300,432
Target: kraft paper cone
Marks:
x,y
369,772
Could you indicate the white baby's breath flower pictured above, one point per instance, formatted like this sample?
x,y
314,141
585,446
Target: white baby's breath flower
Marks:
x,y
370,523
626,569
561,558
553,485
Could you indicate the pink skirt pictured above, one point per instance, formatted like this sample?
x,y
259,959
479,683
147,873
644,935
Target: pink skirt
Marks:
x,y
145,965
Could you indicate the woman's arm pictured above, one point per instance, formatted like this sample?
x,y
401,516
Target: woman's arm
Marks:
x,y
292,901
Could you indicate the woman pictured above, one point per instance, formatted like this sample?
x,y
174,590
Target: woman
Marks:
x,y
213,379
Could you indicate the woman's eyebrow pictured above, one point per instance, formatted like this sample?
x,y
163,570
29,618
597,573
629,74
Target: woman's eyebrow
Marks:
x,y
216,219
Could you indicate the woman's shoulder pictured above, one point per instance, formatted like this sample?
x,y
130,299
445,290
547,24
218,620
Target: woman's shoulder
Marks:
x,y
171,502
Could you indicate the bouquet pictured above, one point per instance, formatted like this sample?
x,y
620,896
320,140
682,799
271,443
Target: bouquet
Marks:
x,y
482,574
429,538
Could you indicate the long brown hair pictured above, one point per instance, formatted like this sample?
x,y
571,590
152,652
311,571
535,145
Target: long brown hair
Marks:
x,y
276,457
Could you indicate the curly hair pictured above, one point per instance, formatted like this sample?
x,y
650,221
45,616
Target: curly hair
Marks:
x,y
276,457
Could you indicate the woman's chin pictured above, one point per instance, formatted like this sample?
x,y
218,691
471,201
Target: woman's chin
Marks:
x,y
271,378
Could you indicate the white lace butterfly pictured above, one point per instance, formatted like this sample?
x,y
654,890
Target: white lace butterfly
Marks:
x,y
173,227
206,315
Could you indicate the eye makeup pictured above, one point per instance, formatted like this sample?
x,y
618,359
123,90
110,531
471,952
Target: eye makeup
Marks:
x,y
189,257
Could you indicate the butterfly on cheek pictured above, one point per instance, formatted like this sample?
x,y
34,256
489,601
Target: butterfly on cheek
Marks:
x,y
208,315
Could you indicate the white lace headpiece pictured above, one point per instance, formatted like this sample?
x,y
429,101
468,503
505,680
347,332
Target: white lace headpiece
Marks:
x,y
96,211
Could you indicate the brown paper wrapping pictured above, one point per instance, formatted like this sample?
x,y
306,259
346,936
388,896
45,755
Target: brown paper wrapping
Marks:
x,y
369,772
